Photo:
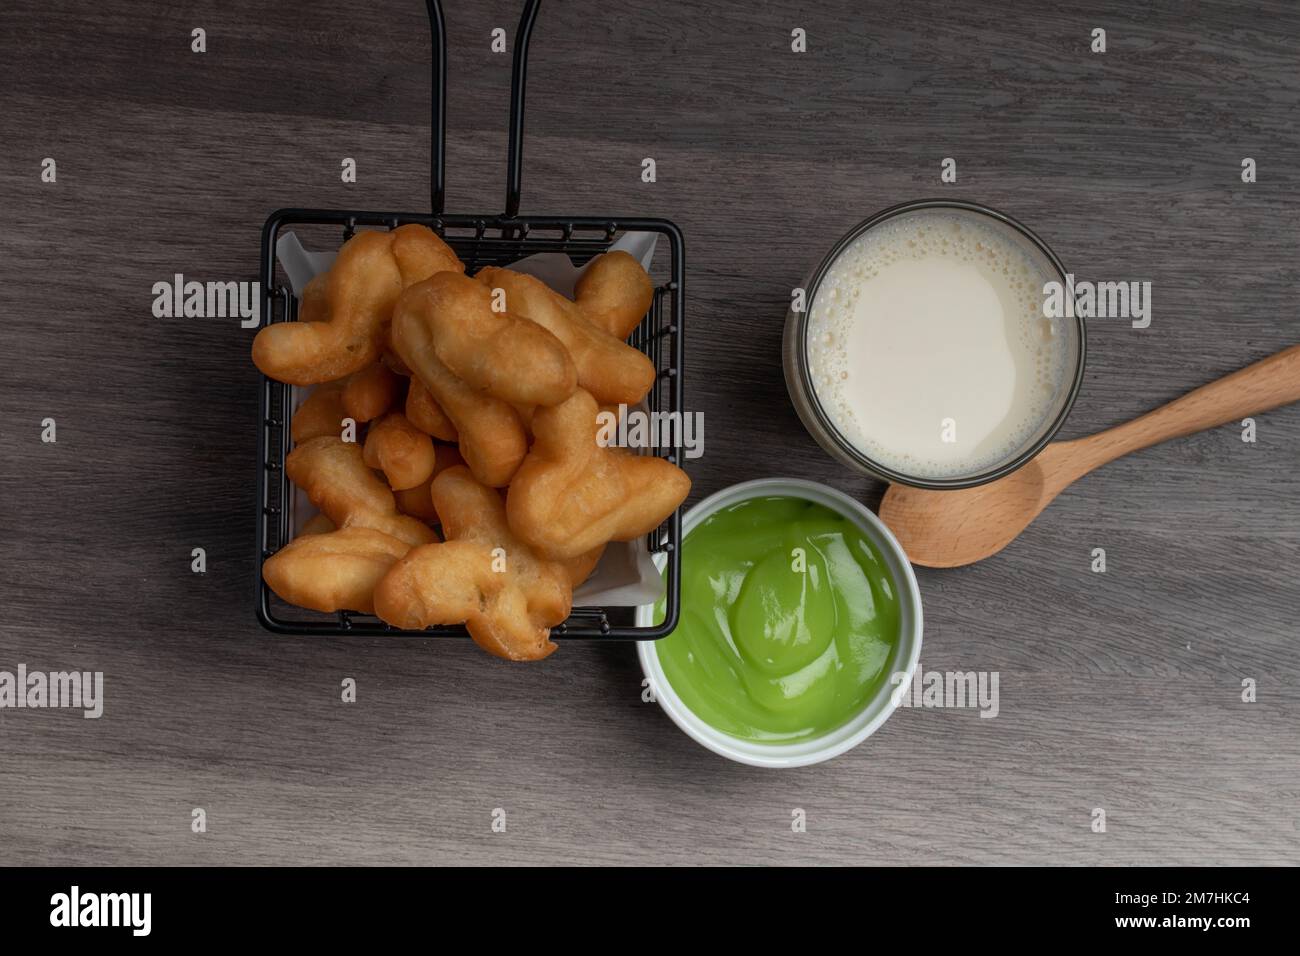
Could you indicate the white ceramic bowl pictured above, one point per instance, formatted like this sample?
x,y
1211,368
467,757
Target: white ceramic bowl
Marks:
x,y
877,709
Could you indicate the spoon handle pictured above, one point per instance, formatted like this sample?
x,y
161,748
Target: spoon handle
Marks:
x,y
1256,388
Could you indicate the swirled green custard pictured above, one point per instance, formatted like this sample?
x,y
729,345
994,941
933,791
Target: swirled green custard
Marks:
x,y
789,620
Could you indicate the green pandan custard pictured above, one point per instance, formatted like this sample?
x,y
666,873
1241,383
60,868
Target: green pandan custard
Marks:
x,y
789,620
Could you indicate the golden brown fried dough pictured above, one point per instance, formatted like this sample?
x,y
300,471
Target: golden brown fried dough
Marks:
x,y
317,524
446,583
370,392
580,568
614,293
471,511
525,413
400,450
491,437
608,368
341,322
335,570
394,363
484,576
448,457
571,495
334,475
321,413
418,501
314,304
426,414
499,353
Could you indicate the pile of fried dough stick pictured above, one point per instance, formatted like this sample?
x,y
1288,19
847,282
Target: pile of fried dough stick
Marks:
x,y
479,398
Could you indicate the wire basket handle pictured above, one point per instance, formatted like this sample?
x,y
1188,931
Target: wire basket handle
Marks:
x,y
518,83
438,109
438,118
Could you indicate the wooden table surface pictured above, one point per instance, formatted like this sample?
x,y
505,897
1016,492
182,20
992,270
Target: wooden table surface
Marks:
x,y
1120,691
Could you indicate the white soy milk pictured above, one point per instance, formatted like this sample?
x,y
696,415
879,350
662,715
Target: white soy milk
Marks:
x,y
928,347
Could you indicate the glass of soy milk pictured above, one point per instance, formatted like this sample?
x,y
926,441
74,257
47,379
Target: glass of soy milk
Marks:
x,y
922,354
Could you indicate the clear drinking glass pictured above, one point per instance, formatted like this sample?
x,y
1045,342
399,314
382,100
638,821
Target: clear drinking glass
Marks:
x,y
809,407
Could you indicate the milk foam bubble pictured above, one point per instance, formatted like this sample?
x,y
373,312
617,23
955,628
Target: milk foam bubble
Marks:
x,y
928,348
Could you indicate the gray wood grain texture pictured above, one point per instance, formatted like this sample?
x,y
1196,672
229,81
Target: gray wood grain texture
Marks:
x,y
1119,691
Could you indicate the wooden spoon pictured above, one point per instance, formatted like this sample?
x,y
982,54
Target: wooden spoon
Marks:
x,y
948,529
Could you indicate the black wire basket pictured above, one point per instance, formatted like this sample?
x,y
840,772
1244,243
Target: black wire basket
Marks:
x,y
493,240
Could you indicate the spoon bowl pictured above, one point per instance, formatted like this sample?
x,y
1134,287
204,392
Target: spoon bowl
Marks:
x,y
946,529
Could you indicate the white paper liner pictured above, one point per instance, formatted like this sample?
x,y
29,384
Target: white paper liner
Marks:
x,y
626,575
